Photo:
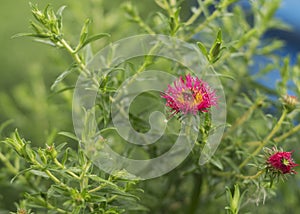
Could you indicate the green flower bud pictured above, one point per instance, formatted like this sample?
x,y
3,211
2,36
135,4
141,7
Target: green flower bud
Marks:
x,y
290,102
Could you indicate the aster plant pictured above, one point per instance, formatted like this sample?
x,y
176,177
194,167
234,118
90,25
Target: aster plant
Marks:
x,y
52,173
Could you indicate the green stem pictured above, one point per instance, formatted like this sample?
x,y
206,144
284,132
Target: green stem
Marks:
x,y
195,198
279,138
112,198
210,18
63,167
266,140
144,26
59,210
287,134
97,188
168,8
194,17
8,165
75,56
84,180
241,176
49,173
56,180
249,177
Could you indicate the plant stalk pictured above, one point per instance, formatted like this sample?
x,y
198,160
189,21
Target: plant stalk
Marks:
x,y
195,197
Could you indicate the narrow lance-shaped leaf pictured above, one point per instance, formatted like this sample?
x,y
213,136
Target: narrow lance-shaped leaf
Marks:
x,y
284,73
30,35
60,78
69,135
216,48
83,33
202,49
37,28
92,39
59,16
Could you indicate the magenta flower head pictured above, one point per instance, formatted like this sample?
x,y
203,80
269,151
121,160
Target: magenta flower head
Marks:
x,y
189,95
281,162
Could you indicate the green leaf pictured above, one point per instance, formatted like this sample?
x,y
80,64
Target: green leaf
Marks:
x,y
176,14
46,10
101,180
60,146
19,173
84,30
30,35
219,36
217,163
92,39
45,41
37,28
215,50
65,157
69,135
59,16
161,4
97,198
88,53
60,78
39,173
202,48
174,22
226,76
284,73
119,192
5,124
236,198
61,90
51,137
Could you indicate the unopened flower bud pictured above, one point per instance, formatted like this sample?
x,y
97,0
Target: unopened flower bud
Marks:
x,y
50,150
290,102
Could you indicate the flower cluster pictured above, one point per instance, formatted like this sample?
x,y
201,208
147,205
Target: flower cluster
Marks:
x,y
189,95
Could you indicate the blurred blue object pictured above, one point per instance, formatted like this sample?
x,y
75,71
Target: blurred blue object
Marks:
x,y
289,14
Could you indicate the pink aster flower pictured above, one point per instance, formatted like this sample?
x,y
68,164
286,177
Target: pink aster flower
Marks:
x,y
282,162
189,95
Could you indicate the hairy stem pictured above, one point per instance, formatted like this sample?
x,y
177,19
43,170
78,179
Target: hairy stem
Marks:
x,y
75,56
209,19
241,176
244,117
8,165
63,167
287,134
266,140
195,197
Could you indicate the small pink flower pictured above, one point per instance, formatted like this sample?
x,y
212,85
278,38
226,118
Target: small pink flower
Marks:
x,y
282,162
189,95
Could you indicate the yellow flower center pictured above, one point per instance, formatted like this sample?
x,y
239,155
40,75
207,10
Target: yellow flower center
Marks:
x,y
189,97
285,162
198,98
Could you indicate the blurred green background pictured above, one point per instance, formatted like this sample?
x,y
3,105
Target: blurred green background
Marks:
x,y
29,68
